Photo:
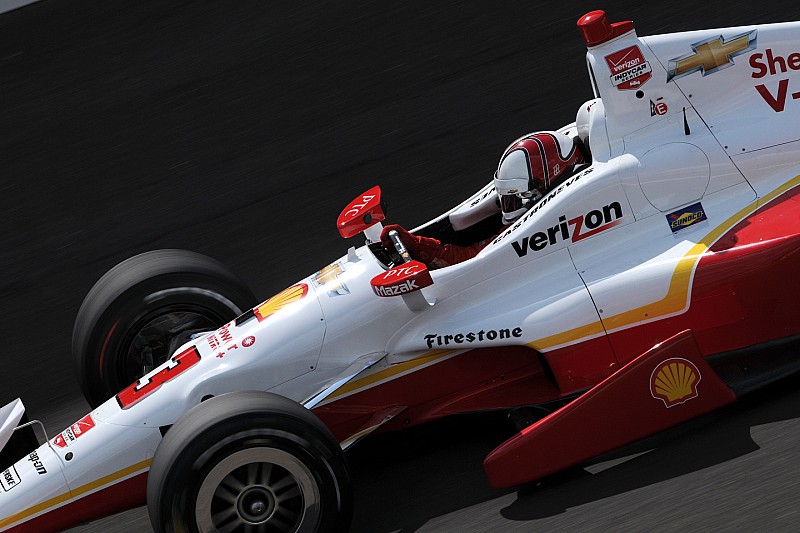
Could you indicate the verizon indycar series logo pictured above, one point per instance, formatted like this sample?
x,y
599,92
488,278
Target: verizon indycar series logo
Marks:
x,y
72,433
628,68
573,230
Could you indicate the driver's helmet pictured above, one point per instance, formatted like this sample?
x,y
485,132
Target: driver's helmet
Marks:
x,y
530,167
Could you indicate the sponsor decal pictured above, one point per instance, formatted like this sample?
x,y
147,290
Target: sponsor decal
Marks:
x,y
711,55
37,463
225,333
213,341
408,277
542,202
772,64
72,433
248,341
408,285
146,386
358,205
482,197
685,217
573,230
675,381
328,278
281,300
472,336
9,479
628,68
658,108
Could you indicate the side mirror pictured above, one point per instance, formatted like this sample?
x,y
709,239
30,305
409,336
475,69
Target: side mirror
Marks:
x,y
405,280
365,213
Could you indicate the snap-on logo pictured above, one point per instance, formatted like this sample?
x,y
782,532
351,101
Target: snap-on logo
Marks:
x,y
573,230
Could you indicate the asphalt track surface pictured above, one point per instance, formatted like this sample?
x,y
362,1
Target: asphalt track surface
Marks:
x,y
240,129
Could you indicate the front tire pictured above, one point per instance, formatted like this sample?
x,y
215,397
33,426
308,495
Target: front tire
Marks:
x,y
143,309
249,461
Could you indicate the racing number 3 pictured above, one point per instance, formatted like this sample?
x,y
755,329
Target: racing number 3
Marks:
x,y
141,389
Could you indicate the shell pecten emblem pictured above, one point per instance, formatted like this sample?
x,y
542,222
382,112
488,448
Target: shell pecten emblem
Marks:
x,y
674,381
281,300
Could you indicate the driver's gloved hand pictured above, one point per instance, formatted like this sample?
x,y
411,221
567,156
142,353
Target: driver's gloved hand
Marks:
x,y
421,248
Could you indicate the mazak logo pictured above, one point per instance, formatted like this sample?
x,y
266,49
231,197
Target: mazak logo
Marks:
x,y
409,285
409,277
573,230
628,68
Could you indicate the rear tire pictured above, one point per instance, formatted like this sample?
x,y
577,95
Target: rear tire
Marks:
x,y
143,309
249,461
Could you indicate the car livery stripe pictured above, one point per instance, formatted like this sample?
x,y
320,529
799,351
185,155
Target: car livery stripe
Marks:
x,y
677,298
581,333
394,371
75,494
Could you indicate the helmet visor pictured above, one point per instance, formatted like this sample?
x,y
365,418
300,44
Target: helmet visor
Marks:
x,y
513,206
510,203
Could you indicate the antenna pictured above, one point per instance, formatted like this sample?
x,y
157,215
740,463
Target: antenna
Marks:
x,y
685,123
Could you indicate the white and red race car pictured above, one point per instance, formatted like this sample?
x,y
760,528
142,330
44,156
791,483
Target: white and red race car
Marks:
x,y
654,285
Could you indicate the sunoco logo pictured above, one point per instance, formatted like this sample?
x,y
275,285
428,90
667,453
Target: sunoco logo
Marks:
x,y
572,230
686,217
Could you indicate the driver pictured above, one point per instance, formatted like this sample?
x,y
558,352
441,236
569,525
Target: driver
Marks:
x,y
528,169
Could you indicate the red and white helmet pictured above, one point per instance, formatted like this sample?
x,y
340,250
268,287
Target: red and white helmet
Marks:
x,y
530,167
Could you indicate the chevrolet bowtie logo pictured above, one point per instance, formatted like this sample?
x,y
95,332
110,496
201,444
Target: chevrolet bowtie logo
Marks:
x,y
711,55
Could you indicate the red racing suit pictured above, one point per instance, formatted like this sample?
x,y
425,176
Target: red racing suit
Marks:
x,y
431,251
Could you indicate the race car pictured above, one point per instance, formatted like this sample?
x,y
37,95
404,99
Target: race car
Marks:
x,y
655,284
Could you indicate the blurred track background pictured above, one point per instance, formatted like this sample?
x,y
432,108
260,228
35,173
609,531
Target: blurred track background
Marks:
x,y
240,130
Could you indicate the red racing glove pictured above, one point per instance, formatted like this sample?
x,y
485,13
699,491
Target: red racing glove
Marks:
x,y
429,250
421,248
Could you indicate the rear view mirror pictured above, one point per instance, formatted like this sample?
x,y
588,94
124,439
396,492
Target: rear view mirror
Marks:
x,y
363,214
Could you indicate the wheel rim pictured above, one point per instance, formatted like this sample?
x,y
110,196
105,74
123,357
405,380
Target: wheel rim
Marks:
x,y
258,489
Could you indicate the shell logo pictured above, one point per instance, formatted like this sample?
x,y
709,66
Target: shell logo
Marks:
x,y
675,381
281,300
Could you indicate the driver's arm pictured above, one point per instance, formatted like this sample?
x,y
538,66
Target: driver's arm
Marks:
x,y
429,250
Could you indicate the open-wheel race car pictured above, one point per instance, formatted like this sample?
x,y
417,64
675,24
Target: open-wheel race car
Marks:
x,y
658,282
